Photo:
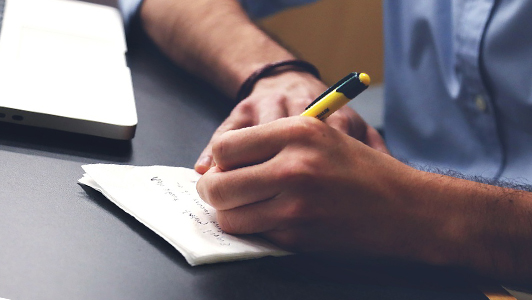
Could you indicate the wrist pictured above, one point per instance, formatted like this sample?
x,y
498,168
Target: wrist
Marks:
x,y
292,82
446,214
476,226
273,70
431,220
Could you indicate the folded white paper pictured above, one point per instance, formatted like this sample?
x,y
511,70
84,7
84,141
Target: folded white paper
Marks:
x,y
165,200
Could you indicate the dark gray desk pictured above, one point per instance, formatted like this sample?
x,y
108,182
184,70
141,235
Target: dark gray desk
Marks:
x,y
60,241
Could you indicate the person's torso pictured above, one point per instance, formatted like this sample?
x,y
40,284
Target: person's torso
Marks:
x,y
458,85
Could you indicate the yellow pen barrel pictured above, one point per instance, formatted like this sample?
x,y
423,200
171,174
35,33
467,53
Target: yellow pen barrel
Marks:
x,y
326,106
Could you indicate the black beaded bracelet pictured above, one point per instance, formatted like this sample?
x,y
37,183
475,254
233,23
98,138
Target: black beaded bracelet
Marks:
x,y
273,68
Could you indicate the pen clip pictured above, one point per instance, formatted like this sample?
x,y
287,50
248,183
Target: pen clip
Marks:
x,y
332,88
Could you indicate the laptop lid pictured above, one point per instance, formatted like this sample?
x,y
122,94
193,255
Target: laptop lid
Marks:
x,y
63,66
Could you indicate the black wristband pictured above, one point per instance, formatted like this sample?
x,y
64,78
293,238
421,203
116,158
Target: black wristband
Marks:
x,y
273,68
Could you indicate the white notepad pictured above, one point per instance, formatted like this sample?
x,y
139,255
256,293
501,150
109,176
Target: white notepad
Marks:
x,y
165,200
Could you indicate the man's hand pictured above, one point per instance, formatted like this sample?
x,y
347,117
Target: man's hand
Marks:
x,y
284,95
308,187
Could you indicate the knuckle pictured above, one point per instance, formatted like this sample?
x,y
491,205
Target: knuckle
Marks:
x,y
225,222
296,211
301,170
341,121
303,101
288,239
276,100
300,103
231,221
241,116
218,144
294,172
304,127
200,188
245,107
212,194
224,127
351,123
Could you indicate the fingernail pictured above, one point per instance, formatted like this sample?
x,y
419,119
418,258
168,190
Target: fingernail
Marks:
x,y
203,164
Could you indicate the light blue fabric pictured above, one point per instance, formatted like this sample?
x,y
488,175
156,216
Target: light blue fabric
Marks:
x,y
259,9
128,8
458,79
458,84
255,8
442,60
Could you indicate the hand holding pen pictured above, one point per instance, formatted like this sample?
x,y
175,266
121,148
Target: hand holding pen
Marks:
x,y
283,95
303,184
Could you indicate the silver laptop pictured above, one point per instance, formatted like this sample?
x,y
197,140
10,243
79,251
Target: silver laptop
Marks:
x,y
63,66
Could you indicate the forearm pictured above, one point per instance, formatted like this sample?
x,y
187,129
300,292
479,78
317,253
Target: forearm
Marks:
x,y
482,227
360,201
213,39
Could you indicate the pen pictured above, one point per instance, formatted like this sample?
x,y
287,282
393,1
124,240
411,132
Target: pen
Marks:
x,y
337,95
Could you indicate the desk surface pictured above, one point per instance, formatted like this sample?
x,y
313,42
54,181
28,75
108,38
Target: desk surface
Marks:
x,y
61,241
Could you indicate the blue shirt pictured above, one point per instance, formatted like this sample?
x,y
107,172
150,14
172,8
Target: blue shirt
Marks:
x,y
255,8
458,86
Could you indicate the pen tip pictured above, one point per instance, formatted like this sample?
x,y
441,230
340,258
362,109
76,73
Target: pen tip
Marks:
x,y
364,78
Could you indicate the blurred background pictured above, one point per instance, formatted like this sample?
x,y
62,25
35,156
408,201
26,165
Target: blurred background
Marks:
x,y
338,36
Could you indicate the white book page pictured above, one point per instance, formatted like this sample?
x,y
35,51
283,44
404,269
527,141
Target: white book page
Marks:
x,y
165,200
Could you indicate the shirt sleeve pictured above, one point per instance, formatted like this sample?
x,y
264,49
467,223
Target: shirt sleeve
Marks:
x,y
128,9
263,8
255,8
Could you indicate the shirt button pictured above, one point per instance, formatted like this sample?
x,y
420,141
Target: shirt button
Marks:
x,y
480,102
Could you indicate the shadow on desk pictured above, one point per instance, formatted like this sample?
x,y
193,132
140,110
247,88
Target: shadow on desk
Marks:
x,y
319,278
329,279
58,142
171,105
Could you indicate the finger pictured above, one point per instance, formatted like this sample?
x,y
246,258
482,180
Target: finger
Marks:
x,y
205,161
259,217
257,144
297,106
243,115
225,190
272,108
375,140
346,120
